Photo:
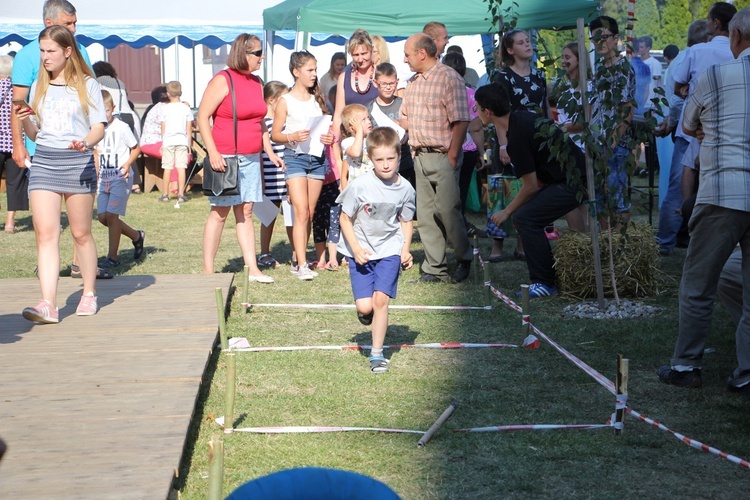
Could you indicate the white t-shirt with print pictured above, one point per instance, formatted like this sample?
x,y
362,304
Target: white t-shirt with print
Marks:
x,y
114,149
61,116
358,165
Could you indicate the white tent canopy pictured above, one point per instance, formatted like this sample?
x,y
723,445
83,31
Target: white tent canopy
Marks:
x,y
141,22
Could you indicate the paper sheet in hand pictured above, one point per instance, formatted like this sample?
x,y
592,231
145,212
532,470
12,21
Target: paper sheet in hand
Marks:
x,y
265,211
318,126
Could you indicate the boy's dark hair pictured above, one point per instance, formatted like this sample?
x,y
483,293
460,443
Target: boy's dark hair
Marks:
x,y
493,97
159,94
455,61
604,22
671,51
647,41
385,69
722,12
383,137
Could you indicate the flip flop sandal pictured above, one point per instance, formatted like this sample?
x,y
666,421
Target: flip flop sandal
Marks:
x,y
332,265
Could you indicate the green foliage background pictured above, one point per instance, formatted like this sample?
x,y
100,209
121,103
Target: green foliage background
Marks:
x,y
665,21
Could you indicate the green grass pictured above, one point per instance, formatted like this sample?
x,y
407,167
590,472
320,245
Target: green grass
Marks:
x,y
492,386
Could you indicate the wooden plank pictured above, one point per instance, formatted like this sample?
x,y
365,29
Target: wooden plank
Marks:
x,y
100,406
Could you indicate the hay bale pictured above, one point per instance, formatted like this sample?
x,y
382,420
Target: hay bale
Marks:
x,y
635,257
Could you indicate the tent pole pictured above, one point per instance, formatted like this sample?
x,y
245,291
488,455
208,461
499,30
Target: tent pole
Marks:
x,y
176,59
593,223
268,60
195,90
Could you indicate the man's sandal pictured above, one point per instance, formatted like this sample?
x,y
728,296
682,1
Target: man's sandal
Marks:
x,y
266,261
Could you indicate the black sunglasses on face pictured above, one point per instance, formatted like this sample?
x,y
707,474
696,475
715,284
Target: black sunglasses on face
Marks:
x,y
256,53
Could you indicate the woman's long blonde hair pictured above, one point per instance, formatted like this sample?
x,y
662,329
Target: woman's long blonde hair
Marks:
x,y
76,70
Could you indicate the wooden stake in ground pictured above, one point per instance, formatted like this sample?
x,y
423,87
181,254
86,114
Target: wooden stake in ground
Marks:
x,y
222,319
526,313
487,291
621,383
440,421
477,265
231,391
245,289
215,469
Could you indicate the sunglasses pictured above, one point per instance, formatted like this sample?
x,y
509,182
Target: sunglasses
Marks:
x,y
256,53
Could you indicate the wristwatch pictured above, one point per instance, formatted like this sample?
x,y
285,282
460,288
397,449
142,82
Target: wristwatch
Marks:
x,y
86,145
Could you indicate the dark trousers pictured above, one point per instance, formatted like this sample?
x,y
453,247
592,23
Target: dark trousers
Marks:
x,y
16,182
549,204
464,178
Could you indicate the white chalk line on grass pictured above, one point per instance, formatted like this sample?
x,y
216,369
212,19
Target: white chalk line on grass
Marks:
x,y
314,429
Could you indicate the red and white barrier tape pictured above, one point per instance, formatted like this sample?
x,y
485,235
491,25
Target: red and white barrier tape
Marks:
x,y
434,345
353,306
621,400
500,295
691,442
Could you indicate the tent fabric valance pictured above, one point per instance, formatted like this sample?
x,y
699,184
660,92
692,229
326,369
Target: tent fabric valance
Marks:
x,y
399,18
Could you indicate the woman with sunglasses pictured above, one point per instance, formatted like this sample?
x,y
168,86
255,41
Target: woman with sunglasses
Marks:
x,y
250,138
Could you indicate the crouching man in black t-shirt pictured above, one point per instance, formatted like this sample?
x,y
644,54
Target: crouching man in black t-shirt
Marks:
x,y
546,193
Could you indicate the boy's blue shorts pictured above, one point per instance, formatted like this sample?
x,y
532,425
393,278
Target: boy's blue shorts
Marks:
x,y
377,275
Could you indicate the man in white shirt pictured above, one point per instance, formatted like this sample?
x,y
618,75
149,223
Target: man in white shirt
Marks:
x,y
698,59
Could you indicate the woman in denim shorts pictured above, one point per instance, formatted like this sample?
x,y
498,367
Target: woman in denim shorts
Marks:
x,y
304,171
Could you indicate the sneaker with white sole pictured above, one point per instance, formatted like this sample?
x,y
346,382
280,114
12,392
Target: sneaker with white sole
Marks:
x,y
304,273
87,305
378,364
537,290
43,312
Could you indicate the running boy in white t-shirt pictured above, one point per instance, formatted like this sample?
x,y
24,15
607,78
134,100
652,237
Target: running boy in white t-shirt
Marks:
x,y
177,139
377,209
114,156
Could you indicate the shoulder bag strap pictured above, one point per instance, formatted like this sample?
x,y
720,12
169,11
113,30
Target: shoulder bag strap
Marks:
x,y
119,106
234,111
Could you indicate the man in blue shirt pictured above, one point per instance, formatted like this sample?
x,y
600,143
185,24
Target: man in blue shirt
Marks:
x,y
26,69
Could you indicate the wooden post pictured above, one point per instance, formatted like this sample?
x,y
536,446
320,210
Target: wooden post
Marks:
x,y
215,469
231,391
487,297
526,313
440,421
583,63
245,289
477,265
222,319
621,383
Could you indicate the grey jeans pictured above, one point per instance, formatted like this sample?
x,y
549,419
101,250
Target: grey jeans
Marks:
x,y
714,233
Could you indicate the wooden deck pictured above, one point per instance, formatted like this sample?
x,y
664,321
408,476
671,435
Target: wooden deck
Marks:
x,y
99,407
